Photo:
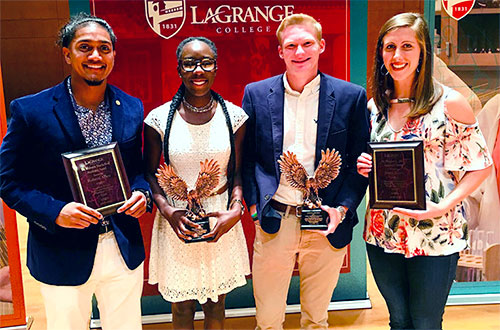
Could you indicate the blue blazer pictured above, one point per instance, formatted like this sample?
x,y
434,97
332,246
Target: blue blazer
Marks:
x,y
33,181
343,124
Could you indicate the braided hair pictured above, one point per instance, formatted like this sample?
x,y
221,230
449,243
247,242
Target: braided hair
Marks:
x,y
176,101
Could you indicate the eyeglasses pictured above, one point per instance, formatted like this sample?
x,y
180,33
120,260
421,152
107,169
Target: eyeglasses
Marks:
x,y
206,65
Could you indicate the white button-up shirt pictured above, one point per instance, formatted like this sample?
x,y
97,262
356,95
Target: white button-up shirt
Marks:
x,y
299,134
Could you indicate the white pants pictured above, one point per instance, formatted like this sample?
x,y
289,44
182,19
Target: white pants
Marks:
x,y
117,288
273,262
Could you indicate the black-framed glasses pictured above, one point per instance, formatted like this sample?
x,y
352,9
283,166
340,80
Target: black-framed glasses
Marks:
x,y
205,64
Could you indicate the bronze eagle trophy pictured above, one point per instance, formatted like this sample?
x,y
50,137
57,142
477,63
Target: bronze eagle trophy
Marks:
x,y
176,188
312,217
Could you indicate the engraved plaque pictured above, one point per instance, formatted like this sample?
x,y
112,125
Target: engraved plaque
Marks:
x,y
397,176
314,218
97,177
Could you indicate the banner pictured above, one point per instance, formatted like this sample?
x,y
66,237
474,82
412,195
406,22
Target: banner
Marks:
x,y
148,33
12,312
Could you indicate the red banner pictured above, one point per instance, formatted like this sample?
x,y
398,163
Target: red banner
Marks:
x,y
12,311
149,31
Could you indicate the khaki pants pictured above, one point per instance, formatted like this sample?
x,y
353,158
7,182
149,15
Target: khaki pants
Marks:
x,y
118,291
273,262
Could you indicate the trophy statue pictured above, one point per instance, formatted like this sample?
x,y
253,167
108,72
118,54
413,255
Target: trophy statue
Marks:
x,y
177,189
312,216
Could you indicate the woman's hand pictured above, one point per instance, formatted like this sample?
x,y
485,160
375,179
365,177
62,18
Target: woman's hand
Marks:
x,y
177,219
364,164
225,221
432,210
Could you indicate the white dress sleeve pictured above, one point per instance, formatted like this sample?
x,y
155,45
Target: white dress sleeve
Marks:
x,y
157,119
237,115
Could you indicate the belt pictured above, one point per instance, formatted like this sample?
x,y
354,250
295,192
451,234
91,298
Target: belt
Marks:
x,y
105,227
297,210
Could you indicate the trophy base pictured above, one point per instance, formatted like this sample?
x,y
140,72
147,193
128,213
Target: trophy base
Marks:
x,y
313,219
205,228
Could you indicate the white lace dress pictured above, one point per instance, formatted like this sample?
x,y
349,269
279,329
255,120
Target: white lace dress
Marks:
x,y
197,271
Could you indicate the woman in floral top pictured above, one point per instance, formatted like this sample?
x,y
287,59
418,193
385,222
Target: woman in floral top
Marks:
x,y
413,253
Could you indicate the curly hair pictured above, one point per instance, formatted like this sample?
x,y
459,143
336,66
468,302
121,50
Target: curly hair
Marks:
x,y
67,32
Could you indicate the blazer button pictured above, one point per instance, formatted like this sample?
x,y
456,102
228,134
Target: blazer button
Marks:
x,y
267,197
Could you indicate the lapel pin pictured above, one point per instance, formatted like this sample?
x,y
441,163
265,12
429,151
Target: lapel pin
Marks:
x,y
117,102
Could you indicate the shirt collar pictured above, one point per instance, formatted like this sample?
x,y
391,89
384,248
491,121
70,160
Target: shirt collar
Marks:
x,y
104,105
311,87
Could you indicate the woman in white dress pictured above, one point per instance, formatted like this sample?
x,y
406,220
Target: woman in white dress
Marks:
x,y
197,125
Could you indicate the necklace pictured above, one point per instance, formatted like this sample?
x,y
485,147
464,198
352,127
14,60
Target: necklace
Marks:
x,y
402,100
202,109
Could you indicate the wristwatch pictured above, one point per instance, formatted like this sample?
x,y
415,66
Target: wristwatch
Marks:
x,y
342,212
149,200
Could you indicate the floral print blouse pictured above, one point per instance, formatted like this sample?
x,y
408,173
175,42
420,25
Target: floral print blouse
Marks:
x,y
450,149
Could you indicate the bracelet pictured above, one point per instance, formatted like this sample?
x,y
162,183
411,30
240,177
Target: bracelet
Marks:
x,y
239,202
255,216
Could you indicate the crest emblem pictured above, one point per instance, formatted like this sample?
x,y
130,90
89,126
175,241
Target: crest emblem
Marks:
x,y
457,9
165,17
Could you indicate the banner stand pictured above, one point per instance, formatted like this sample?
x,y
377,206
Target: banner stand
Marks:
x,y
245,312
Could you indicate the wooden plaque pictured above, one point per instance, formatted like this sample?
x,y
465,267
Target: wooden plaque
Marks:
x,y
397,176
97,177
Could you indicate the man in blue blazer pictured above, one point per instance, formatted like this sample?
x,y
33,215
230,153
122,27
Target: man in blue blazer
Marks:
x,y
72,250
303,111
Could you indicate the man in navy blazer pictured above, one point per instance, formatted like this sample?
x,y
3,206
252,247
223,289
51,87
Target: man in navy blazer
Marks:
x,y
72,250
303,111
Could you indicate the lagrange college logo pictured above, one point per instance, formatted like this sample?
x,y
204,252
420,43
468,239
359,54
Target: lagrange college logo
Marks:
x,y
167,17
458,8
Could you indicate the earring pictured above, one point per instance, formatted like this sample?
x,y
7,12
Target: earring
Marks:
x,y
382,67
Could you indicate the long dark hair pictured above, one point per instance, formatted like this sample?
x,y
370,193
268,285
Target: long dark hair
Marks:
x,y
176,101
426,91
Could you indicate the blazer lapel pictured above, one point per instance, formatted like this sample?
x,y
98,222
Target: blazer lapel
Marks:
x,y
64,111
325,114
275,101
117,114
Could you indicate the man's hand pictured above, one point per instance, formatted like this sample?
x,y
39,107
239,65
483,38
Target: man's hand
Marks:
x,y
76,215
253,210
135,206
334,216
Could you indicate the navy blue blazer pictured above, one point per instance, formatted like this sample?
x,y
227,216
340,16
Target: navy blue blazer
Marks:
x,y
33,181
343,124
